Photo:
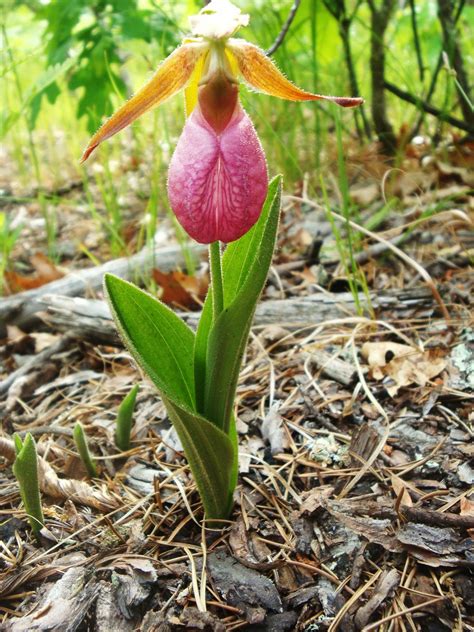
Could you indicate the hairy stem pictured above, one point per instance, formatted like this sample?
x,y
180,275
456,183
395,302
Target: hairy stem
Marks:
x,y
216,279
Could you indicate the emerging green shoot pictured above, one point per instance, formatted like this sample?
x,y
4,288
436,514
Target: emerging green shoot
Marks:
x,y
8,237
124,424
25,469
80,440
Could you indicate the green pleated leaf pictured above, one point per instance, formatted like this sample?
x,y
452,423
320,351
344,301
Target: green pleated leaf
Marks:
x,y
238,259
212,456
240,256
234,474
159,341
228,335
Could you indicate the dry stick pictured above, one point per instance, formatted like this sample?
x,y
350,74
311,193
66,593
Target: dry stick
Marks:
x,y
65,489
420,606
429,109
285,28
431,517
411,262
35,361
19,307
416,40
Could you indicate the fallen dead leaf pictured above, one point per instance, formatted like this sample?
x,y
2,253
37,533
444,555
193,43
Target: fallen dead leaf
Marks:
x,y
181,289
401,491
45,272
273,430
403,364
467,509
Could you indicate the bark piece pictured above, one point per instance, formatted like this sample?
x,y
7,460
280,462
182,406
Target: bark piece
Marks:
x,y
436,546
240,586
385,586
335,368
375,530
107,614
193,619
277,622
64,607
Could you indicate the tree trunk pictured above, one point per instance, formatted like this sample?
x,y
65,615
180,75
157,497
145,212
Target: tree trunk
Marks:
x,y
379,23
344,27
453,51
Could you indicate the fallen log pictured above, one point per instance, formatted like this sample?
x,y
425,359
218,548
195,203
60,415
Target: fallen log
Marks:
x,y
89,319
21,307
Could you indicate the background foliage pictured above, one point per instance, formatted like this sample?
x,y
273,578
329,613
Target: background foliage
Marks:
x,y
68,65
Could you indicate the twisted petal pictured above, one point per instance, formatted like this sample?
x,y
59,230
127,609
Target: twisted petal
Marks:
x,y
218,19
171,76
261,73
217,183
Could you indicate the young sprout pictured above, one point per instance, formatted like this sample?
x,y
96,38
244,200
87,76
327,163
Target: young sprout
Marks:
x,y
80,440
123,427
25,469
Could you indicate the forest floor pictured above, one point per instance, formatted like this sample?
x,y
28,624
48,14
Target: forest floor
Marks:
x,y
355,506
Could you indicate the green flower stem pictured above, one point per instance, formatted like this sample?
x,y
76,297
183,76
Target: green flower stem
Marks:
x,y
80,440
25,469
216,279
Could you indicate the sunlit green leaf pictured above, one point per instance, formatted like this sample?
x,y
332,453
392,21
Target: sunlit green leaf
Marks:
x,y
211,456
160,342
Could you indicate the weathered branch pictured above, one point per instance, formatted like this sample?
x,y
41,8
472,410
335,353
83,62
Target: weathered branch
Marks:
x,y
90,320
284,29
453,50
19,307
429,109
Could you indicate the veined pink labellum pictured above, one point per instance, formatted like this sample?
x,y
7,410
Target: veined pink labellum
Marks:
x,y
218,178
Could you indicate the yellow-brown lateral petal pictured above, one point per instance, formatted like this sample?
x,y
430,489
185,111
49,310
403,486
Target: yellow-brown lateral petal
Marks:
x,y
261,73
172,75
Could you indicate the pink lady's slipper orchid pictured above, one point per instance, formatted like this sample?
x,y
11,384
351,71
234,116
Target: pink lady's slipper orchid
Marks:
x,y
218,176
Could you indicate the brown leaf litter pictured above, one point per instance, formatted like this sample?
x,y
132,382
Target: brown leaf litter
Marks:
x,y
354,509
